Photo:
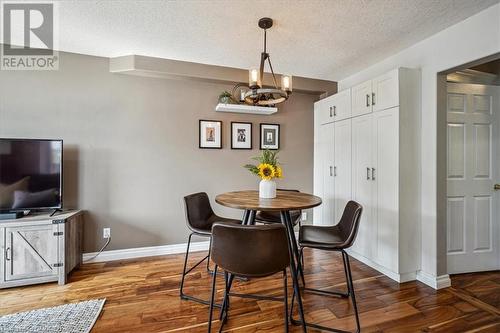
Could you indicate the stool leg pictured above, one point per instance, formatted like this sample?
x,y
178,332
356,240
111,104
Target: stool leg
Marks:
x,y
224,308
346,269
351,289
185,265
285,299
293,267
225,301
208,259
302,265
210,314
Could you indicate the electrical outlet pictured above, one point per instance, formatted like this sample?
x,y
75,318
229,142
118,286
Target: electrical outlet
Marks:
x,y
304,216
106,233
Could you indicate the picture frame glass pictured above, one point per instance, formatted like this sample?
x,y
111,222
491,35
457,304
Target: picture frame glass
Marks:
x,y
241,135
210,134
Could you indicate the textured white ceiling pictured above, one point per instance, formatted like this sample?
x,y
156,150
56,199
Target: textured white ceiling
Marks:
x,y
316,38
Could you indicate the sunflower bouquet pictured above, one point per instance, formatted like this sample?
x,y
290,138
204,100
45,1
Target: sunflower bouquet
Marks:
x,y
268,167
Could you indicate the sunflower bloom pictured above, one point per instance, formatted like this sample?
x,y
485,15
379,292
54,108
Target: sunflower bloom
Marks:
x,y
266,171
278,172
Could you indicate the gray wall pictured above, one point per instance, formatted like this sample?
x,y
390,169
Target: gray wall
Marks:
x,y
131,145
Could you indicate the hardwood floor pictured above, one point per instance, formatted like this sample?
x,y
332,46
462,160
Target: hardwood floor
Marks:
x,y
143,296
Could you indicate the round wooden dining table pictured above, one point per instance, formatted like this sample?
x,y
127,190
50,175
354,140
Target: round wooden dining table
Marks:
x,y
284,202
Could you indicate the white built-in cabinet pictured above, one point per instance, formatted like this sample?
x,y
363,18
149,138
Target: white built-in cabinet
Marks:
x,y
375,95
326,137
342,166
372,157
335,108
335,169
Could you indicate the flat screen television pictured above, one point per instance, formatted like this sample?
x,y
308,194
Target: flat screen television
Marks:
x,y
30,174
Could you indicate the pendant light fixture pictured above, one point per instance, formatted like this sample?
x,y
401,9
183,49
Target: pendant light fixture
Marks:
x,y
257,94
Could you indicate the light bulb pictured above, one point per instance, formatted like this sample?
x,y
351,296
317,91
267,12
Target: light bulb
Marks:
x,y
286,82
253,78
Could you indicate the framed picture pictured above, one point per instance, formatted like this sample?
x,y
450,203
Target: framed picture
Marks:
x,y
270,136
210,134
241,135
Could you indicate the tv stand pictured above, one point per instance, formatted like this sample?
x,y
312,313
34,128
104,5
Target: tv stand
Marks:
x,y
39,248
56,210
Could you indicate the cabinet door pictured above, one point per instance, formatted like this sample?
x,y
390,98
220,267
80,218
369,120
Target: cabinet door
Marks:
x,y
328,211
362,183
361,99
2,255
320,143
31,251
385,91
342,168
342,105
325,110
385,173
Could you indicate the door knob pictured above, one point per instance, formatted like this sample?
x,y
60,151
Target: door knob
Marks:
x,y
496,187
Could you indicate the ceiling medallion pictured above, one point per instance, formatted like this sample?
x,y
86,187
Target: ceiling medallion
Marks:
x,y
256,93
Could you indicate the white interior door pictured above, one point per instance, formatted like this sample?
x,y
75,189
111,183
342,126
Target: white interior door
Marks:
x,y
328,211
342,169
473,232
362,184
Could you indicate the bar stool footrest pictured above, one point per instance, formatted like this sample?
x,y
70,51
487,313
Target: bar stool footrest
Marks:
x,y
240,278
199,300
326,292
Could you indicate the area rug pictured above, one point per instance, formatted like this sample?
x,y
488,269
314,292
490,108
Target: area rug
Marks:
x,y
68,318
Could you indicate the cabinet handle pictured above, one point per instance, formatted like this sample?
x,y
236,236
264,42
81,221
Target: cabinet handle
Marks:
x,y
335,110
373,98
335,171
367,173
367,100
7,250
373,173
330,111
331,173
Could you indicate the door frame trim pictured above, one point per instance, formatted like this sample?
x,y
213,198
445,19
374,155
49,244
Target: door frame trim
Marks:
x,y
442,161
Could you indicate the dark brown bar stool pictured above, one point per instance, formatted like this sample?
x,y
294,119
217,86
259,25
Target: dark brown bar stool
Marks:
x,y
199,218
275,217
249,251
333,238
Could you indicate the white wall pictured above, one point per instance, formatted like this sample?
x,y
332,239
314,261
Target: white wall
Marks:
x,y
469,40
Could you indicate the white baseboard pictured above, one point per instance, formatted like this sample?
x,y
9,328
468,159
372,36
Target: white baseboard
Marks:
x,y
139,252
149,251
436,282
403,277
